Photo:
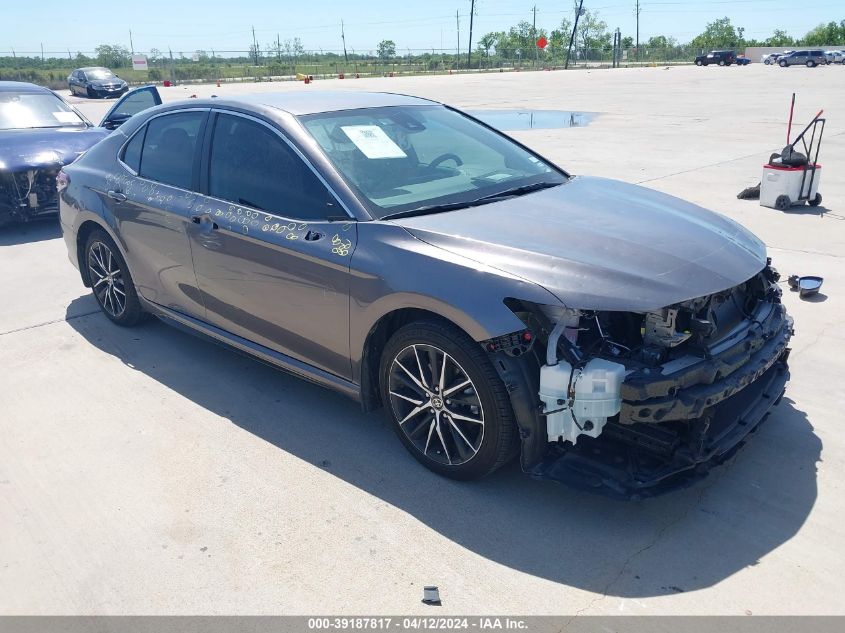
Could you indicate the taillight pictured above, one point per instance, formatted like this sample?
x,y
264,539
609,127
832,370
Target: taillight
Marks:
x,y
62,181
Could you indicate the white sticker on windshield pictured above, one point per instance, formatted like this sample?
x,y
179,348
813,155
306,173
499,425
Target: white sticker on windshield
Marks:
x,y
373,141
66,117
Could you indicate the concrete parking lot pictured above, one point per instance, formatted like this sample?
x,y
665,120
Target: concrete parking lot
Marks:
x,y
146,471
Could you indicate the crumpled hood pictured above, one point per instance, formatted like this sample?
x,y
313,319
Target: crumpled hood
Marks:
x,y
26,149
600,244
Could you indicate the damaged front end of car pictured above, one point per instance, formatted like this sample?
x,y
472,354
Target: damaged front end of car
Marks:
x,y
634,404
29,193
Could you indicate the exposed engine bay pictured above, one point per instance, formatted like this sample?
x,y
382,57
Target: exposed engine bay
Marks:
x,y
28,194
631,402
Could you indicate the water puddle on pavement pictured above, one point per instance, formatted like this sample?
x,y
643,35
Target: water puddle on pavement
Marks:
x,y
511,120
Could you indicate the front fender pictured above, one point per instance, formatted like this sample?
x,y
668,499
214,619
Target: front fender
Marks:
x,y
392,270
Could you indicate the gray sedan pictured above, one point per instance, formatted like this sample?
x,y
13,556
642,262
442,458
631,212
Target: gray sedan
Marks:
x,y
416,259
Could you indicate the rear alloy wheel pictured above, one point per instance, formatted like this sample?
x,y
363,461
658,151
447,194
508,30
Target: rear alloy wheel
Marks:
x,y
448,404
111,282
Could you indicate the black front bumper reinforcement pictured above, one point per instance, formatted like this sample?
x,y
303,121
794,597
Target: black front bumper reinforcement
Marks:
x,y
633,461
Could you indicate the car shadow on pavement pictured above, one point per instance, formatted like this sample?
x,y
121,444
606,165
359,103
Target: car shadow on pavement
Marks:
x,y
686,540
35,231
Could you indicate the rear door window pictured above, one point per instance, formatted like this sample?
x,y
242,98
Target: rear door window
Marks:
x,y
169,148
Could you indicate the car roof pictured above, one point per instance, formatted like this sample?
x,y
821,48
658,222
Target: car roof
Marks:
x,y
93,68
21,86
318,101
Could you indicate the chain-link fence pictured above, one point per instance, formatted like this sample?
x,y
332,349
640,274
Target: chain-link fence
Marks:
x,y
51,69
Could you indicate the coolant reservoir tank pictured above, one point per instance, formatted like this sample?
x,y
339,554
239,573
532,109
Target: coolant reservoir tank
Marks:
x,y
597,396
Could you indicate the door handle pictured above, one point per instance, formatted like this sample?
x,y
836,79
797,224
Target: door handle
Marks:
x,y
205,222
117,195
313,236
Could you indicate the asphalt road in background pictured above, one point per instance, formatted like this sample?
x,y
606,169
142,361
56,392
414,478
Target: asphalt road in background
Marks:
x,y
146,471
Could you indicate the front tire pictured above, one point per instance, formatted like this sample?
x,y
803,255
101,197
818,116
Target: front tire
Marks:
x,y
449,407
782,64
111,281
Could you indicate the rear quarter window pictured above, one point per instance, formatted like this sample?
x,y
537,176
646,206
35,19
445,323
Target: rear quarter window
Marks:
x,y
131,154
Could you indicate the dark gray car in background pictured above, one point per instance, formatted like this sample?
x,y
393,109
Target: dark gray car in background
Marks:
x,y
96,81
411,257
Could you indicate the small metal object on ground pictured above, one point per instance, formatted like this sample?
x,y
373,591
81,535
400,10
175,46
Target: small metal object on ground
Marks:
x,y
431,596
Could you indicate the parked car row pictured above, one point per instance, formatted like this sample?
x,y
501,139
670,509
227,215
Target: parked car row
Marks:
x,y
809,58
414,258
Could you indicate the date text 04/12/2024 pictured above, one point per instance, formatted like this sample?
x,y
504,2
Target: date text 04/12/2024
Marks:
x,y
417,623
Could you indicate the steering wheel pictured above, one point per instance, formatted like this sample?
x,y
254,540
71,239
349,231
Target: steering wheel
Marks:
x,y
445,157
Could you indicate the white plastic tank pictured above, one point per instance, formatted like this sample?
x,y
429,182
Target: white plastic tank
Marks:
x,y
597,396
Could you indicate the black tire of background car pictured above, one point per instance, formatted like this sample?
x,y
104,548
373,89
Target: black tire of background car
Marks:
x,y
133,313
782,203
698,62
816,201
782,63
500,442
721,62
810,63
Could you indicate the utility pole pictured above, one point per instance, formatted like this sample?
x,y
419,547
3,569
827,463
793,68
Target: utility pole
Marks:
x,y
254,47
343,37
638,29
131,45
572,37
278,48
42,52
458,50
469,46
534,36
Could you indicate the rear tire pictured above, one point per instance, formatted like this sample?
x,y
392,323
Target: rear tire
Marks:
x,y
810,63
111,281
465,436
698,62
782,64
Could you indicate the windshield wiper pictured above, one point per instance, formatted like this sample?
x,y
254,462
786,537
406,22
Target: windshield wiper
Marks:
x,y
433,208
518,191
453,206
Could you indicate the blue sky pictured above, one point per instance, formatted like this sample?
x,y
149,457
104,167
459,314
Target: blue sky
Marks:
x,y
226,24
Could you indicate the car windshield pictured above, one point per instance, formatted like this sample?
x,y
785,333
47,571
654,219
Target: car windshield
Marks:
x,y
99,73
425,158
35,110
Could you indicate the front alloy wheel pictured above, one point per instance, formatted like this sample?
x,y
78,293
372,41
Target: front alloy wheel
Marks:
x,y
436,404
448,403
